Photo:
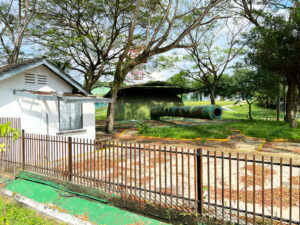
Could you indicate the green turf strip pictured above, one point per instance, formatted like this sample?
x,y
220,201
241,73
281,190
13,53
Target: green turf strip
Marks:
x,y
95,211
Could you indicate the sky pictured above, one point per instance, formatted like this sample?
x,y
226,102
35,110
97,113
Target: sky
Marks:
x,y
163,75
166,74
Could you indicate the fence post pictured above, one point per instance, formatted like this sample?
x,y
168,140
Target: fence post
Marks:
x,y
200,181
23,149
70,159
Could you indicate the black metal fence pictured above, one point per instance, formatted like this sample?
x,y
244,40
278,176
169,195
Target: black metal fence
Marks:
x,y
232,187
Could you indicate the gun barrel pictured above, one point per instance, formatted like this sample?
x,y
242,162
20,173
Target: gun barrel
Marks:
x,y
211,112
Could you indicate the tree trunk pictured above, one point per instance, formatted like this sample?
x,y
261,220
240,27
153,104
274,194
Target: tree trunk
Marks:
x,y
250,110
111,111
91,79
278,108
119,78
89,86
14,56
290,102
118,81
212,95
278,104
12,59
284,97
294,122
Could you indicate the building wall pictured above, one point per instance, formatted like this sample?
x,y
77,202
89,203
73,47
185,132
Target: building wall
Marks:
x,y
138,107
37,116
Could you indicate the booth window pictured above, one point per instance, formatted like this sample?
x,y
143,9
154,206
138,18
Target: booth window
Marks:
x,y
70,116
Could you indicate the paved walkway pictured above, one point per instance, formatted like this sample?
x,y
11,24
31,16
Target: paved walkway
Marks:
x,y
92,211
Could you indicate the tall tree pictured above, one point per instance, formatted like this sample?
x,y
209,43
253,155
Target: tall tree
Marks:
x,y
88,36
254,86
256,12
275,47
180,79
269,89
247,87
213,51
157,27
115,37
15,18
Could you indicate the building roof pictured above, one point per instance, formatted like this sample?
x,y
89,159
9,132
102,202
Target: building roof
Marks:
x,y
14,69
153,87
66,97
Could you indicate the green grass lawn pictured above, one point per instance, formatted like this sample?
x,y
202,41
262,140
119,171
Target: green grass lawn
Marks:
x,y
101,113
16,214
256,128
240,112
221,103
263,126
267,129
203,131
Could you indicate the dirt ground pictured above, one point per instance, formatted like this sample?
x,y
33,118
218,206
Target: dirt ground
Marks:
x,y
160,176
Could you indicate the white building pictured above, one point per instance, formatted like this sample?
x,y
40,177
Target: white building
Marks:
x,y
47,100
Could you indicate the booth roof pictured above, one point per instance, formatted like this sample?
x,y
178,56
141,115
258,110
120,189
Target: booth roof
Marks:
x,y
154,87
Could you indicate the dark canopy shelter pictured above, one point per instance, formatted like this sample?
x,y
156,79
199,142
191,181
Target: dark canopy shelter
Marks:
x,y
134,102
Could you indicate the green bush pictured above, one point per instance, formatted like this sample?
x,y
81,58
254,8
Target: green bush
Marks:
x,y
143,127
5,130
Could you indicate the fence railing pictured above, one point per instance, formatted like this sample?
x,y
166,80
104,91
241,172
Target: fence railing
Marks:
x,y
10,143
163,175
251,189
15,122
232,187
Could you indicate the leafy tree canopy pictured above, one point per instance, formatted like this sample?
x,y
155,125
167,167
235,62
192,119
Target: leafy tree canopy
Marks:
x,y
275,46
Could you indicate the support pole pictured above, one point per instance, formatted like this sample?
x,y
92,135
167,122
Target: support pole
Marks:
x,y
70,159
23,149
200,181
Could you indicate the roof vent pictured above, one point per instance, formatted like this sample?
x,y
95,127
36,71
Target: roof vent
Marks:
x,y
42,79
29,78
35,79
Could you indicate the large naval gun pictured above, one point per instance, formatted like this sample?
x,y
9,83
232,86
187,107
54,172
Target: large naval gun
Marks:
x,y
211,112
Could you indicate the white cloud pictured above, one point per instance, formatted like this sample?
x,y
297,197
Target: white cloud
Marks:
x,y
161,75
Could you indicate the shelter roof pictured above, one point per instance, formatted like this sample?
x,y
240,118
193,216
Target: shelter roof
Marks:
x,y
154,87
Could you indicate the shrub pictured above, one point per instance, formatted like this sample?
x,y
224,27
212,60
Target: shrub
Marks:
x,y
143,127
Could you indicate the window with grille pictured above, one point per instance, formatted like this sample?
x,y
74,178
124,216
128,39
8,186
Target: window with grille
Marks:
x,y
70,116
